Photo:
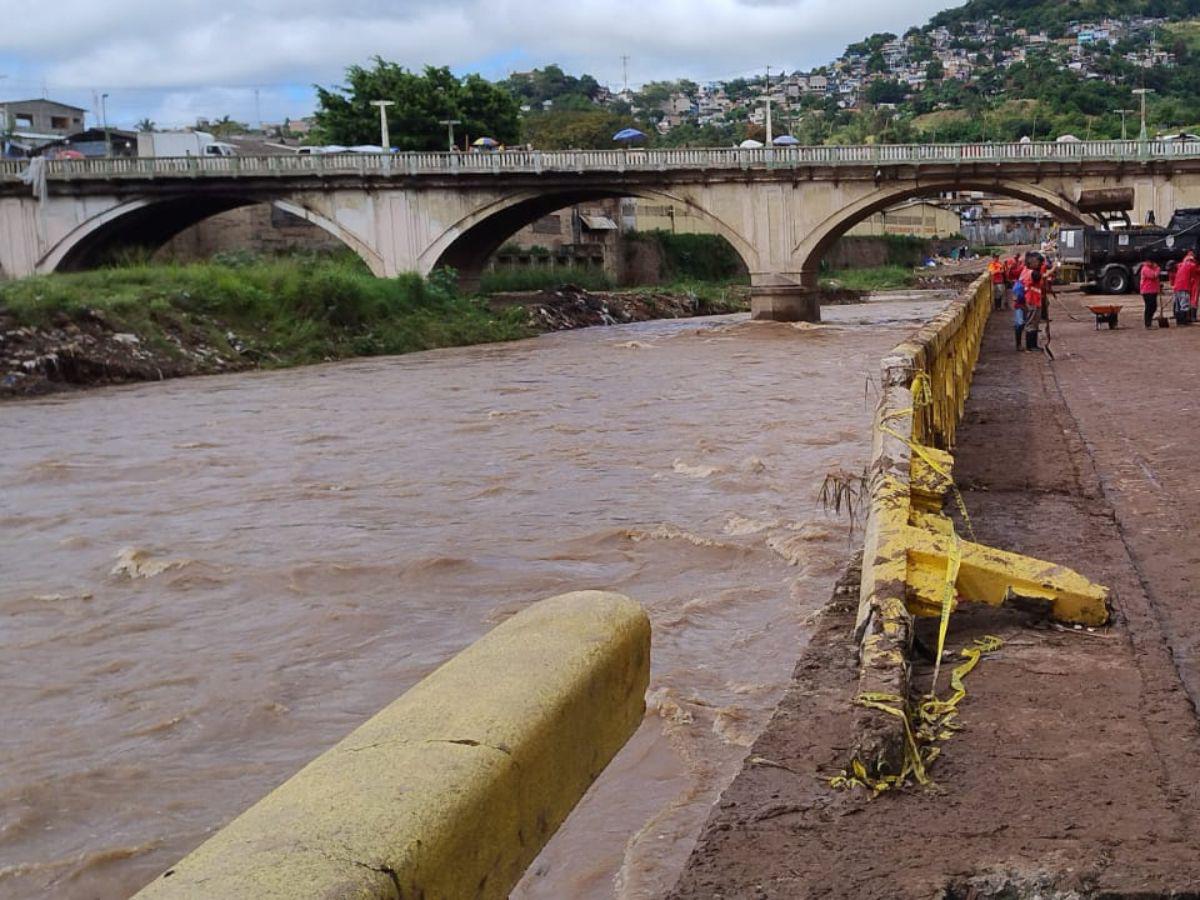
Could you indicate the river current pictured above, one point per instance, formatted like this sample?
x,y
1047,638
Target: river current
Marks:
x,y
207,582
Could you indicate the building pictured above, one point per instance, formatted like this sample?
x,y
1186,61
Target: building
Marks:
x,y
43,118
94,142
918,218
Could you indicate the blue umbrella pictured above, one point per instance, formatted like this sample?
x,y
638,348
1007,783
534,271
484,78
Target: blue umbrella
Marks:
x,y
628,134
785,140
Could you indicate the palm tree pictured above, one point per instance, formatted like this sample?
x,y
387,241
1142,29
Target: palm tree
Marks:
x,y
146,125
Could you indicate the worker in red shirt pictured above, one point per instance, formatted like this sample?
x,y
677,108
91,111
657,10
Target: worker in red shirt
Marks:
x,y
1014,267
1184,286
1031,280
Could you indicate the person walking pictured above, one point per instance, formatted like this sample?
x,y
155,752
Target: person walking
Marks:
x,y
996,270
1150,274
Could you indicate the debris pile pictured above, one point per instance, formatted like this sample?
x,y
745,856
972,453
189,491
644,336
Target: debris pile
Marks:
x,y
87,350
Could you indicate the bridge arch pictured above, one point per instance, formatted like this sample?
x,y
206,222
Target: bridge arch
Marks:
x,y
152,221
467,244
807,255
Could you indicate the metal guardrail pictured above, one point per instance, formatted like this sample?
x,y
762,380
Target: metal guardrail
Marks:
x,y
580,161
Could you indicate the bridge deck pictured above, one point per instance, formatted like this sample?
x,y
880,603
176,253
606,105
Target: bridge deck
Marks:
x,y
626,160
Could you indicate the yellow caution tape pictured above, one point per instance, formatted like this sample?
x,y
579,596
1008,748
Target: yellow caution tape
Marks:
x,y
930,722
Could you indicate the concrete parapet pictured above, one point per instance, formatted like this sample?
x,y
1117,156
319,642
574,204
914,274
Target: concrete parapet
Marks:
x,y
913,561
453,789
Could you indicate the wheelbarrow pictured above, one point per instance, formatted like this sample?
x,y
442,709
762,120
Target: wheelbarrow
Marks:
x,y
1106,313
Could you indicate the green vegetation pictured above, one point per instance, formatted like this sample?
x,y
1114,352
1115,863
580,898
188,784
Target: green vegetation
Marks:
x,y
541,279
881,278
345,115
695,257
283,312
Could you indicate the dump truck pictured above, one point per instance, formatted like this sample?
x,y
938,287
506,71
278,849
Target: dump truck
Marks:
x,y
1110,258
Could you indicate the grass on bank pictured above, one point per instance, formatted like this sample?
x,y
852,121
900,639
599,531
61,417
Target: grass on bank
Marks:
x,y
286,312
879,278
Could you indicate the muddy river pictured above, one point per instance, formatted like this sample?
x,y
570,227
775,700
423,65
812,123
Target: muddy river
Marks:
x,y
207,582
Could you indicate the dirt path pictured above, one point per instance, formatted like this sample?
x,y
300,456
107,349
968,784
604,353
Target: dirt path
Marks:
x,y
1076,769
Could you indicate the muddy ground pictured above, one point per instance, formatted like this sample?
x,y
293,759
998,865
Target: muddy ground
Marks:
x,y
1075,775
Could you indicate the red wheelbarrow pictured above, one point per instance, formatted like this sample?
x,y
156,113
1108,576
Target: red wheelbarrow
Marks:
x,y
1106,313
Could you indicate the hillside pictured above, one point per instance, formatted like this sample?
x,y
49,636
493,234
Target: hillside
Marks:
x,y
1055,15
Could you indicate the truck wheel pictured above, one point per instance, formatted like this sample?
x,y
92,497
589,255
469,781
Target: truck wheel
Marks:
x,y
1116,280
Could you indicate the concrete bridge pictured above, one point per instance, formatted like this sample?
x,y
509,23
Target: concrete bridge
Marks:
x,y
780,208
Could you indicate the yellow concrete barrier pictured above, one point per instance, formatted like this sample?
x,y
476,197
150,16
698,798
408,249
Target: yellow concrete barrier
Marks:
x,y
453,789
907,541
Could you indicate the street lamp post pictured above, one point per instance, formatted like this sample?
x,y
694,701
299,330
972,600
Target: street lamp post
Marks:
x,y
4,131
385,140
450,123
1123,113
1143,135
104,121
770,136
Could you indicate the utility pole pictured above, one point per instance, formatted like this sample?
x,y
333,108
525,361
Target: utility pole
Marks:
x,y
4,132
625,72
449,123
104,120
769,136
1143,135
1123,113
257,110
385,140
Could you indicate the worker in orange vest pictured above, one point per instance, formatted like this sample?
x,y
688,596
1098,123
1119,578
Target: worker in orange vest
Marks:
x,y
997,271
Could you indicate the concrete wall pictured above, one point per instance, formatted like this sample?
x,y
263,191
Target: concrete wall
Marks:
x,y
260,228
919,219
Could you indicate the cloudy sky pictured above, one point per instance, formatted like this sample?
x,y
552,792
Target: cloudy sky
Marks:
x,y
174,60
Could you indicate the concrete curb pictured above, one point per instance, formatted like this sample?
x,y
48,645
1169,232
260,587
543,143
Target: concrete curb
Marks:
x,y
453,789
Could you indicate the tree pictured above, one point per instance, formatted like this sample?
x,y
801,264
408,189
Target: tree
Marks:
x,y
345,114
575,129
884,91
935,71
225,126
551,83
145,125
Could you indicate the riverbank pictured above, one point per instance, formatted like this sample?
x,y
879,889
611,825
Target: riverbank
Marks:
x,y
153,322
1071,776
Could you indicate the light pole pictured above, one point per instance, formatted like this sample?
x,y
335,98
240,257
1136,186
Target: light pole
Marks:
x,y
4,133
385,140
450,123
1143,135
104,121
769,135
1123,113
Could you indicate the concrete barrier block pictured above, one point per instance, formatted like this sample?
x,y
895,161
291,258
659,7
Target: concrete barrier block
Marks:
x,y
453,789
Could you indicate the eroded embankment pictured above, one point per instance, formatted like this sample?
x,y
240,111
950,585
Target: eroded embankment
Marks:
x,y
89,346
1073,776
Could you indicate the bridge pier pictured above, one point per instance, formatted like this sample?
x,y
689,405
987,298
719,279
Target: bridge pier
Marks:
x,y
784,303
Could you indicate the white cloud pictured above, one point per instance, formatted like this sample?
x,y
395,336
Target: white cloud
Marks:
x,y
166,51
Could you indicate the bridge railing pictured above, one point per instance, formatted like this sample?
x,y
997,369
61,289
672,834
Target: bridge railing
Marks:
x,y
624,160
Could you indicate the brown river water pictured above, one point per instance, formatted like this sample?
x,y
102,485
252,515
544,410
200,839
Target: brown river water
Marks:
x,y
204,583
